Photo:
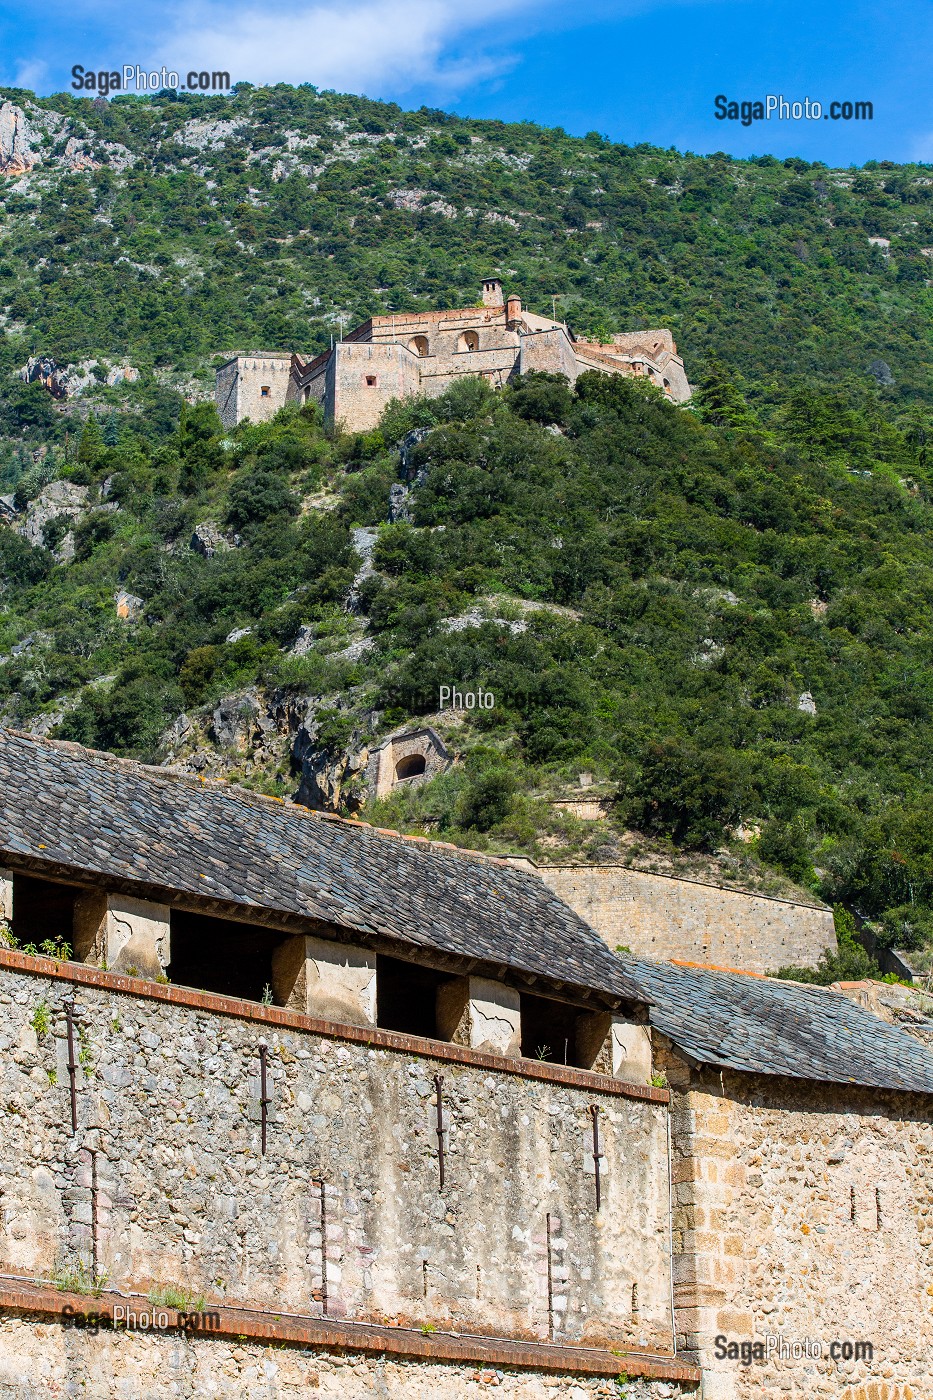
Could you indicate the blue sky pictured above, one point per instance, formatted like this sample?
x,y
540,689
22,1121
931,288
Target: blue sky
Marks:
x,y
637,70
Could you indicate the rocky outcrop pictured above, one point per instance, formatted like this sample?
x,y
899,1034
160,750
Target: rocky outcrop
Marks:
x,y
67,381
129,607
399,508
332,780
44,370
256,733
17,137
364,542
122,374
207,134
208,539
58,500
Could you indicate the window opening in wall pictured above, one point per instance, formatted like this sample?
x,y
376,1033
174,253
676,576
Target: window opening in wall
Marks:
x,y
371,380
469,340
221,955
549,1030
411,766
264,390
406,996
43,910
419,345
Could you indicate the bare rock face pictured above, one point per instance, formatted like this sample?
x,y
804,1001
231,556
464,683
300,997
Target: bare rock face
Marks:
x,y
122,374
255,732
62,381
17,155
330,781
59,498
129,607
399,508
208,540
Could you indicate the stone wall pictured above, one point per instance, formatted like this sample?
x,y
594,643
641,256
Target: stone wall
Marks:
x,y
350,398
344,1215
548,352
802,1211
42,1359
661,917
240,383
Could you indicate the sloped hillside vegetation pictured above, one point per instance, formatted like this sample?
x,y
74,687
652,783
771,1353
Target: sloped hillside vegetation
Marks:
x,y
720,613
735,637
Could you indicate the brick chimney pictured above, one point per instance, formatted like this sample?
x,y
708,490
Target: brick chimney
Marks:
x,y
492,292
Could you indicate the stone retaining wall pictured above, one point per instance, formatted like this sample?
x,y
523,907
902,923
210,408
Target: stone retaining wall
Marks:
x,y
39,1359
663,917
165,1181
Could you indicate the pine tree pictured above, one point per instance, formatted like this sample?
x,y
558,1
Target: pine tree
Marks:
x,y
720,401
92,444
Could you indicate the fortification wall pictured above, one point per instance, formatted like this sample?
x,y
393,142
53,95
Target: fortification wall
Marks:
x,y
345,1214
550,352
39,1359
225,393
662,917
802,1211
252,386
363,377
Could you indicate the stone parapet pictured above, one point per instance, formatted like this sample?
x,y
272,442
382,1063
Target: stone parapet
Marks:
x,y
482,1014
321,977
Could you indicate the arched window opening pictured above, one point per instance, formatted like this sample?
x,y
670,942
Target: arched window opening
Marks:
x,y
412,766
469,340
418,345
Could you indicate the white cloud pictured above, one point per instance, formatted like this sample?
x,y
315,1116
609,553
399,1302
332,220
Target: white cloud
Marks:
x,y
29,73
372,46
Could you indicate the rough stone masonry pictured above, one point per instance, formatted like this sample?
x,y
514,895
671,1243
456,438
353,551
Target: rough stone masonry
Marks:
x,y
165,1184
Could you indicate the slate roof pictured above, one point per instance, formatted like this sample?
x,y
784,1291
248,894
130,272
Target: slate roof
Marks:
x,y
69,808
734,1020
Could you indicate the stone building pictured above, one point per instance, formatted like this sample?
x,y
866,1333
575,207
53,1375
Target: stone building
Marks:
x,y
803,1186
394,1106
410,757
253,386
391,357
395,1125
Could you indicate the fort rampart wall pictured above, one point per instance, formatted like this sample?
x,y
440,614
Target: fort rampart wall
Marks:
x,y
363,1208
664,917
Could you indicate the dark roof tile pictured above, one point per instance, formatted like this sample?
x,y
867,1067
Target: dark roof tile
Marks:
x,y
189,837
735,1020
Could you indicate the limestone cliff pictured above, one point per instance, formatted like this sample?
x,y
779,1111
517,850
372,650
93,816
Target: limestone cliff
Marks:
x,y
17,138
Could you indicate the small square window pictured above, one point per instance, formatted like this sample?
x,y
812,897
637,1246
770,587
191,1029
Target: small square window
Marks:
x,y
264,391
371,380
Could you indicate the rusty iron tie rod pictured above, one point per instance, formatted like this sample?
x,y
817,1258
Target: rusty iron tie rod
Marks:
x,y
72,1065
264,1099
597,1155
439,1087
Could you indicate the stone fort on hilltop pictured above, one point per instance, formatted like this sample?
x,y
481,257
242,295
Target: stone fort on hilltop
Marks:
x,y
395,356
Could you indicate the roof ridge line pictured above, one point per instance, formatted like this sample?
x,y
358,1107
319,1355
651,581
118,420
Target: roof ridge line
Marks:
x,y
237,791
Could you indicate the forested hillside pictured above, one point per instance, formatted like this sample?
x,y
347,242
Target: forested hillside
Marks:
x,y
169,229
722,613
